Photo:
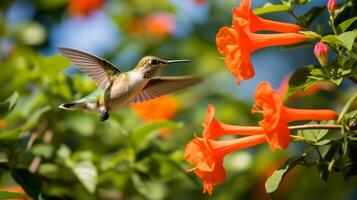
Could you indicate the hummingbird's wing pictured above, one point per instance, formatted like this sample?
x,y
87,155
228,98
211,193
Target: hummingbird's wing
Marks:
x,y
98,69
162,85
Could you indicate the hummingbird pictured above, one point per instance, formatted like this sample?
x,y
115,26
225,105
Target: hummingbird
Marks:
x,y
116,88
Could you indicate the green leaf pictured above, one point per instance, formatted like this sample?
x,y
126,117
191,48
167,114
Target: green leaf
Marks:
x,y
299,80
347,106
147,188
331,40
143,134
314,135
347,39
347,23
8,104
10,195
270,8
302,1
44,150
35,117
28,181
273,182
87,175
322,142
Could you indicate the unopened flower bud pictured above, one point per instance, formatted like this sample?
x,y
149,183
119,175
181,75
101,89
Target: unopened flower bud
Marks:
x,y
321,52
331,6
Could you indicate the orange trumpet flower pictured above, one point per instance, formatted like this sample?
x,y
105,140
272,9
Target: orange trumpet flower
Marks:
x,y
277,115
161,108
208,155
246,18
214,128
237,44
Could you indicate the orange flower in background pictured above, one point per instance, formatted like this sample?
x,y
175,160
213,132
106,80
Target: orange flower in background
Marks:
x,y
237,44
159,24
247,19
164,107
161,108
214,128
208,155
2,123
84,7
199,2
15,189
277,116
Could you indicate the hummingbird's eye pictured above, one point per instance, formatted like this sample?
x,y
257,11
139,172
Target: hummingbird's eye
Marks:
x,y
154,62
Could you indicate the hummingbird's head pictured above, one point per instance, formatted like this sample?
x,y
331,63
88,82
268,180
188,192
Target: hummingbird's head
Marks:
x,y
149,65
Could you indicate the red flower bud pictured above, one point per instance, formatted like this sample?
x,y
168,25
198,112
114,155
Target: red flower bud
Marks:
x,y
331,6
321,52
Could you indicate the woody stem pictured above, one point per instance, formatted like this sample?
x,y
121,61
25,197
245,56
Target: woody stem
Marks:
x,y
315,126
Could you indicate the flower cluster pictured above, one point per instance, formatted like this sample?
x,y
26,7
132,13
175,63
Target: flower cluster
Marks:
x,y
207,153
236,43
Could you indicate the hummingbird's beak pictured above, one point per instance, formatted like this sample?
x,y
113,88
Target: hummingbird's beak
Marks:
x,y
177,61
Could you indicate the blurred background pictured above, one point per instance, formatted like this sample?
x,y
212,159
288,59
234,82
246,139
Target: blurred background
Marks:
x,y
135,155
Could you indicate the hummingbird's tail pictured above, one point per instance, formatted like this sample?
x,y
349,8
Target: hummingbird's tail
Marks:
x,y
72,106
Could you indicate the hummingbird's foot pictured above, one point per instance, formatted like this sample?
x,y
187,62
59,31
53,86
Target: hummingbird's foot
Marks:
x,y
104,116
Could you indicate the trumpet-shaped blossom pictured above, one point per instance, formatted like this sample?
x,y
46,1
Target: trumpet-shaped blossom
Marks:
x,y
247,19
236,44
212,128
277,115
207,155
321,52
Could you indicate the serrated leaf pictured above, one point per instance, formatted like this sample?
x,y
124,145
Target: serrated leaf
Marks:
x,y
347,39
28,181
270,8
10,195
347,23
273,182
87,175
347,106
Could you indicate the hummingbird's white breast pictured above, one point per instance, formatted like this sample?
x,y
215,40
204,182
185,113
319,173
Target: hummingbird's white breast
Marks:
x,y
126,87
